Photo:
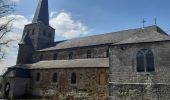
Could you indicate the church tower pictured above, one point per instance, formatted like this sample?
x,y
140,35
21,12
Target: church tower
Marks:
x,y
36,35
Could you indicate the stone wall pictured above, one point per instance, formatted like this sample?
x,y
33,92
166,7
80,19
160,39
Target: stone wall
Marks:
x,y
78,53
139,92
91,83
39,34
123,70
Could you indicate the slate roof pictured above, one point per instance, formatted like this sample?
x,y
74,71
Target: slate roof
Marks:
x,y
17,71
75,63
147,34
42,14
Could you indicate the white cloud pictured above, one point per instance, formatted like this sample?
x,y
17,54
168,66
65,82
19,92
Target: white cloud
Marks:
x,y
53,13
17,24
67,27
15,0
63,23
19,21
15,34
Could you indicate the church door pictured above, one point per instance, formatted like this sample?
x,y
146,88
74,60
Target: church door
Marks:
x,y
6,90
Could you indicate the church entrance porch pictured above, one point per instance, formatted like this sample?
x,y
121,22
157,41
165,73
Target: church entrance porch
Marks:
x,y
16,82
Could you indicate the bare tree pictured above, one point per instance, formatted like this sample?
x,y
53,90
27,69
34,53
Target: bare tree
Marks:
x,y
6,8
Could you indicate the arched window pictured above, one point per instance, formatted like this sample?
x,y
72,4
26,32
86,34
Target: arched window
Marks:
x,y
44,33
140,61
71,55
150,61
33,31
55,78
41,57
55,56
28,32
49,35
73,78
145,61
89,54
107,53
38,77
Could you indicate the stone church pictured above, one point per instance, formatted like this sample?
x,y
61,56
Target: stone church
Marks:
x,y
127,65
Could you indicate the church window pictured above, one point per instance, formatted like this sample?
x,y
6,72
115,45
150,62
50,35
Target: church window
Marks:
x,y
55,56
73,78
145,61
49,35
33,32
71,55
41,57
89,54
28,31
55,78
38,77
150,61
44,33
107,53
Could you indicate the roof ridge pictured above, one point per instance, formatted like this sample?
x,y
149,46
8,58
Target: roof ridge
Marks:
x,y
132,29
142,34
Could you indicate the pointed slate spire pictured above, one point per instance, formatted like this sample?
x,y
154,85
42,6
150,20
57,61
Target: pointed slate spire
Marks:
x,y
42,14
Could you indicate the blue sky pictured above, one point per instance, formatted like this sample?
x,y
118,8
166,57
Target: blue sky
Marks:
x,y
107,15
75,18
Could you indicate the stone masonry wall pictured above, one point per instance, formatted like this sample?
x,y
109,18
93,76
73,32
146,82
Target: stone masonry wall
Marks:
x,y
139,92
78,53
91,84
39,34
124,75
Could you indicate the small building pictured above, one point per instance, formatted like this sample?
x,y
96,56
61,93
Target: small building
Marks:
x,y
125,65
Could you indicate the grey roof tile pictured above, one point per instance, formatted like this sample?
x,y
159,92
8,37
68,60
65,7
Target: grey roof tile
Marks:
x,y
148,34
42,14
76,63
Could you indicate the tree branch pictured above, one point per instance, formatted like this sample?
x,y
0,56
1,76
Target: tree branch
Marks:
x,y
6,8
